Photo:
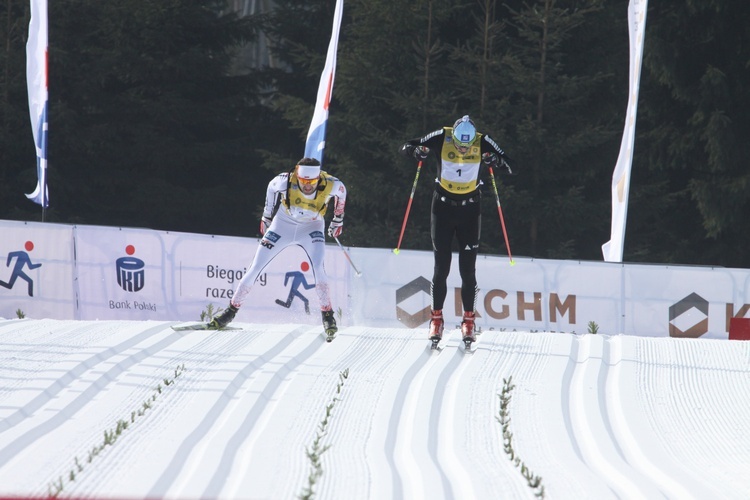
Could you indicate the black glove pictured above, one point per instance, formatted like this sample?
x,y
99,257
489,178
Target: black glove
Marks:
x,y
421,152
490,159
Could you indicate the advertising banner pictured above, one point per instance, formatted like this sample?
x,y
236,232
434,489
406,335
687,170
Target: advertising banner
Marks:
x,y
139,274
122,273
207,270
36,270
558,296
532,295
89,272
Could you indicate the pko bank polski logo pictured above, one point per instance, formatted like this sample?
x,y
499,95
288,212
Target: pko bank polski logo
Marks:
x,y
131,274
688,318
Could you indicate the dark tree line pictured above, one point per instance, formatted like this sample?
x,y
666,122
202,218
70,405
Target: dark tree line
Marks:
x,y
156,122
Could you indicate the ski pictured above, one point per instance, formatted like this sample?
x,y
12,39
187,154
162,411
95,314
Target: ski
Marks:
x,y
201,326
438,344
329,326
470,346
329,335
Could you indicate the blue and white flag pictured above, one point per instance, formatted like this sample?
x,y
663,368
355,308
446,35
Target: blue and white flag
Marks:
x,y
316,135
36,83
613,249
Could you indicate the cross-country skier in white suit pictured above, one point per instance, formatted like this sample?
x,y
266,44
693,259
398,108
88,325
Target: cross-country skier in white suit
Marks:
x,y
299,200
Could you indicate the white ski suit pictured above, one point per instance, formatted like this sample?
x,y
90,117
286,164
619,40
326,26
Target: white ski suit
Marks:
x,y
299,220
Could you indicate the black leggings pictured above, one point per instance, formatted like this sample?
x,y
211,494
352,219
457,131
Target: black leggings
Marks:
x,y
465,222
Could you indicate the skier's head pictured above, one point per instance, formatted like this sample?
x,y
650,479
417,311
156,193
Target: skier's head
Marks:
x,y
308,174
464,134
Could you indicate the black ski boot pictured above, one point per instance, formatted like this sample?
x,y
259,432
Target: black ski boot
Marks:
x,y
223,319
329,325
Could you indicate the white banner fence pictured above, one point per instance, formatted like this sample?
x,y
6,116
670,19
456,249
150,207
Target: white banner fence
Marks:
x,y
89,272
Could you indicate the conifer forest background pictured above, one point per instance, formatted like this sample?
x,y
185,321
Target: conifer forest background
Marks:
x,y
175,114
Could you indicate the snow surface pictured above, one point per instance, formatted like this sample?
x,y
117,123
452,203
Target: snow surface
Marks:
x,y
230,414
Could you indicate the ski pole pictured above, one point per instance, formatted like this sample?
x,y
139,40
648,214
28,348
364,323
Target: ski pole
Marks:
x,y
408,207
346,254
500,212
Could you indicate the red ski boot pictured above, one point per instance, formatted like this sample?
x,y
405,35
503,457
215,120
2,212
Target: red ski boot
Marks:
x,y
467,328
436,327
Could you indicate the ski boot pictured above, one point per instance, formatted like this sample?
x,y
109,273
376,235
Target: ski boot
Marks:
x,y
467,329
223,319
436,327
329,325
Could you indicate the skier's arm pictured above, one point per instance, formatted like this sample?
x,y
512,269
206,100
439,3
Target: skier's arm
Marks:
x,y
493,155
339,204
274,192
419,148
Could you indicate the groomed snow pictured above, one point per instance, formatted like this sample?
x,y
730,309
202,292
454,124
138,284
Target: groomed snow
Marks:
x,y
594,416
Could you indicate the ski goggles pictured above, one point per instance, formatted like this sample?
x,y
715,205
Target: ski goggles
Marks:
x,y
308,182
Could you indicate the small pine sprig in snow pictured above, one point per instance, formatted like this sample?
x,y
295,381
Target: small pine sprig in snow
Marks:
x,y
534,482
54,488
317,448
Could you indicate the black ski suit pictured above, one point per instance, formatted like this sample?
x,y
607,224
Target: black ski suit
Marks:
x,y
456,209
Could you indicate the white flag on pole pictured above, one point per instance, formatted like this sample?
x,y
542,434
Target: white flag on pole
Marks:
x,y
316,135
613,249
36,83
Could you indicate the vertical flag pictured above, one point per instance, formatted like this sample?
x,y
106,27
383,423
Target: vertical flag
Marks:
x,y
613,249
316,135
36,83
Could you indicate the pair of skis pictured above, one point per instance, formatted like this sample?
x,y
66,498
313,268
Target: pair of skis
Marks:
x,y
438,344
329,334
201,326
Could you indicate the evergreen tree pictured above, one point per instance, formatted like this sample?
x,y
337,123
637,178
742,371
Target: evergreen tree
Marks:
x,y
155,121
17,152
694,123
538,101
145,123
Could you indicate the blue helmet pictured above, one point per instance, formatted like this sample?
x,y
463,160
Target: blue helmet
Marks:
x,y
464,132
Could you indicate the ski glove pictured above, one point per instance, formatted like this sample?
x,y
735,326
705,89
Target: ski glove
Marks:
x,y
490,159
336,226
421,152
265,223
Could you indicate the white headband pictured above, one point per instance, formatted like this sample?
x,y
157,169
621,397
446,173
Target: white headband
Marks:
x,y
308,171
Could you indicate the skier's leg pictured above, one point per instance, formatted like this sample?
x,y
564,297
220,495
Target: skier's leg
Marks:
x,y
278,236
315,248
314,245
468,235
441,231
275,240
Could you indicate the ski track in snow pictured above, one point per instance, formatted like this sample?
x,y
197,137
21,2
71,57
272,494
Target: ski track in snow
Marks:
x,y
594,416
